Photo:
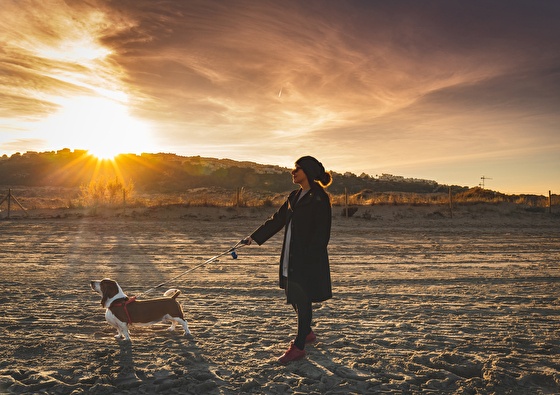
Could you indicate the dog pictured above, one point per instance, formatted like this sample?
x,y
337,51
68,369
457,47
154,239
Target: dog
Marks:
x,y
121,311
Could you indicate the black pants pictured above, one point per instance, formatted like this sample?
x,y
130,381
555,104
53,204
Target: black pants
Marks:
x,y
305,315
304,311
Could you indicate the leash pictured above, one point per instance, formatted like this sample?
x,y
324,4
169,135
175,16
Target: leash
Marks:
x,y
231,251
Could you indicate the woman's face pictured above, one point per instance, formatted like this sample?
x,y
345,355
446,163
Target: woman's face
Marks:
x,y
299,177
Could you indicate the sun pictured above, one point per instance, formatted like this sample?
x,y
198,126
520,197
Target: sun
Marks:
x,y
103,154
100,125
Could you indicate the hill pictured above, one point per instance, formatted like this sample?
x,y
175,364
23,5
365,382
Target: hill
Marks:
x,y
171,173
69,179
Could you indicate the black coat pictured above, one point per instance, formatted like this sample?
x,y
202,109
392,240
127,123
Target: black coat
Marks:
x,y
309,270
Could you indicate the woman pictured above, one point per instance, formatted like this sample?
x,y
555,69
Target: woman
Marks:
x,y
304,263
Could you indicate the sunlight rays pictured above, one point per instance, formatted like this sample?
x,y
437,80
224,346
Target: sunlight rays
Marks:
x,y
83,96
99,122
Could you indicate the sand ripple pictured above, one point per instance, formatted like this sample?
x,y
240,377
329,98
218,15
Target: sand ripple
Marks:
x,y
424,306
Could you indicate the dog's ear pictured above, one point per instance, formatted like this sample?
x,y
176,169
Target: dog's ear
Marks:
x,y
105,287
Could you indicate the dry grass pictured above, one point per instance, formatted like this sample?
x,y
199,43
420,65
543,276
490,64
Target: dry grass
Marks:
x,y
472,196
93,196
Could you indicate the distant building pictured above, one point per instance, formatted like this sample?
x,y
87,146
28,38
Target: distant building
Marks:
x,y
392,178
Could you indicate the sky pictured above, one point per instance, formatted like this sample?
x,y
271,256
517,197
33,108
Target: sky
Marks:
x,y
447,90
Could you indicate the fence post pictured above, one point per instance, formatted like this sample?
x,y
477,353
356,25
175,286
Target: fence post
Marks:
x,y
550,202
450,203
346,200
9,197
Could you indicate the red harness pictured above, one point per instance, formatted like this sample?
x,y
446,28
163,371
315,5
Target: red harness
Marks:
x,y
124,304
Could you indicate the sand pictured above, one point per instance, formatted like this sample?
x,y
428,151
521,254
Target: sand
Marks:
x,y
423,303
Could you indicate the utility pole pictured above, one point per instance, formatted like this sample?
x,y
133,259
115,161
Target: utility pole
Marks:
x,y
483,178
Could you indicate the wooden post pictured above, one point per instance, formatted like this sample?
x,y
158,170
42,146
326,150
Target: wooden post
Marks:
x,y
550,202
346,200
9,198
450,203
239,197
2,201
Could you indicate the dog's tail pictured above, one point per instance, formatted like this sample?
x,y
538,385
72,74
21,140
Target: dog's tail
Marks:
x,y
172,293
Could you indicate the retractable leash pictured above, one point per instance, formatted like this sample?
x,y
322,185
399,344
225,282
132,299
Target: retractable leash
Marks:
x,y
231,251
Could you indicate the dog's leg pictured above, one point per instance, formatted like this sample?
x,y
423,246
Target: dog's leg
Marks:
x,y
171,319
124,331
121,327
184,325
175,321
113,321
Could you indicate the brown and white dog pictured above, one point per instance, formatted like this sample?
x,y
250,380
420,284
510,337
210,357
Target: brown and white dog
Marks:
x,y
122,310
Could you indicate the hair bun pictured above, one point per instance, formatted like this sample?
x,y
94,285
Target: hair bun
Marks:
x,y
326,179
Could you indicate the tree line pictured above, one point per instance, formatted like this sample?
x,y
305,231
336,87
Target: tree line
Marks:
x,y
170,173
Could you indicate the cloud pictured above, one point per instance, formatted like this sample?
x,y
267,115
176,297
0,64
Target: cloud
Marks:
x,y
385,82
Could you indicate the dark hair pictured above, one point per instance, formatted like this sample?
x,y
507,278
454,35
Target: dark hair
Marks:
x,y
326,180
315,171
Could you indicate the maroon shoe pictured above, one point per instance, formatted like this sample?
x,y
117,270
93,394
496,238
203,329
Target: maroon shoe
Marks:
x,y
311,337
293,354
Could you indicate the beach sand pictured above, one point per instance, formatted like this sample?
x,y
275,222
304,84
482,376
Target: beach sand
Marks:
x,y
423,303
